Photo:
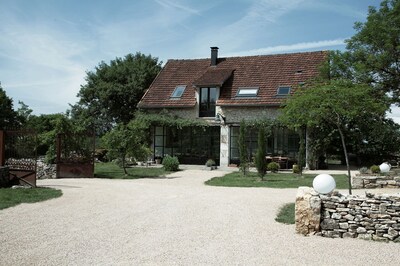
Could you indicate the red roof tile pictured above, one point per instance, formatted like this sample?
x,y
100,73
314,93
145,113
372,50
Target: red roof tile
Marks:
x,y
213,77
267,72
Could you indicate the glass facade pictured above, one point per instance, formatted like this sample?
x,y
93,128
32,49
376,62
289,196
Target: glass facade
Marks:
x,y
192,145
282,142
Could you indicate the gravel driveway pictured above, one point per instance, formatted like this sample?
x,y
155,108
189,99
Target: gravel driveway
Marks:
x,y
169,221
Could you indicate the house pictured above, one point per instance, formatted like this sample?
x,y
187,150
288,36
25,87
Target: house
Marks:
x,y
223,92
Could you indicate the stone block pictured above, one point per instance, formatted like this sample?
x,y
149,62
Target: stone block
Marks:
x,y
349,217
329,224
343,225
307,211
361,230
349,235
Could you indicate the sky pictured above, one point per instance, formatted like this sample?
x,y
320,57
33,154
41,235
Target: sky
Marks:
x,y
47,46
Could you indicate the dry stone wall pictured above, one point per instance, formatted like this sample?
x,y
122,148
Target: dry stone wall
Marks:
x,y
374,217
375,181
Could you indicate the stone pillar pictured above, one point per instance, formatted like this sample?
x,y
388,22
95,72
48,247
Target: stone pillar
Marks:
x,y
224,146
307,211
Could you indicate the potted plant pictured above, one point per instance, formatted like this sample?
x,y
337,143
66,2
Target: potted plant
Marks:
x,y
211,164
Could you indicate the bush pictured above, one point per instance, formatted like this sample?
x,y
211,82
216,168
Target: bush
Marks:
x,y
170,163
374,169
210,162
273,167
363,170
296,169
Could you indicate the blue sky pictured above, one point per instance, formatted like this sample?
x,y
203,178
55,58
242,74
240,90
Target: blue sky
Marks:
x,y
47,46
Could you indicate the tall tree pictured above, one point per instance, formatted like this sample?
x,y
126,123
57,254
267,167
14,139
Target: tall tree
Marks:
x,y
244,157
112,92
8,117
261,162
337,103
127,140
375,49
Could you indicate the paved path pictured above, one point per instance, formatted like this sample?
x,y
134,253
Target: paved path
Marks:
x,y
171,221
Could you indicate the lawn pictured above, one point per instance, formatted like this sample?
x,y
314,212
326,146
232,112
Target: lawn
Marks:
x,y
10,197
113,171
286,214
272,180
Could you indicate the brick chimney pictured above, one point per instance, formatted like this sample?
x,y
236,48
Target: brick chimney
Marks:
x,y
214,56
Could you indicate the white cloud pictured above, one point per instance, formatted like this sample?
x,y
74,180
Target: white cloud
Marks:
x,y
291,47
240,33
176,5
40,65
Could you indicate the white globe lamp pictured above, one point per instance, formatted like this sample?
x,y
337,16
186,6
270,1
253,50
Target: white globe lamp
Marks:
x,y
385,167
324,183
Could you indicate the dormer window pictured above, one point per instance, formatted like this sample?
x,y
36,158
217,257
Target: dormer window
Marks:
x,y
283,91
178,92
247,92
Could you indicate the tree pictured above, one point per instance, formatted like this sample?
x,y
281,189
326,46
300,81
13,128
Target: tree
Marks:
x,y
374,51
244,158
23,113
261,162
338,103
127,140
302,150
8,117
112,92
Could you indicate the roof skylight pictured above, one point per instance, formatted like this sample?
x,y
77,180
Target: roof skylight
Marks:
x,y
247,92
283,90
178,91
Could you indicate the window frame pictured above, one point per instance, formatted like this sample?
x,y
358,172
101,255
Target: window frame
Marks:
x,y
176,90
278,93
247,95
210,107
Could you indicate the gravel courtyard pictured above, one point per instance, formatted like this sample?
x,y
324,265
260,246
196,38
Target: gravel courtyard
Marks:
x,y
169,221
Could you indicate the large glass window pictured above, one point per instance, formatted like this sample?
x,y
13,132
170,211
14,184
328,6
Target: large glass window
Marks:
x,y
191,145
208,98
281,142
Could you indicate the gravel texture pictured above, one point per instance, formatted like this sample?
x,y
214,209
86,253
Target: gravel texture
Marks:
x,y
169,221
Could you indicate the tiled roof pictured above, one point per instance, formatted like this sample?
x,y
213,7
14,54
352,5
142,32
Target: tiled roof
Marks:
x,y
267,72
213,77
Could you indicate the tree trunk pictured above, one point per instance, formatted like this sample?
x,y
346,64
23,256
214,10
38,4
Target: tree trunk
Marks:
x,y
124,165
346,156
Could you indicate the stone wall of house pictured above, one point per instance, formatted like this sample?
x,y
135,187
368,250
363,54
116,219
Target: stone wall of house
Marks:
x,y
189,113
237,114
375,181
375,217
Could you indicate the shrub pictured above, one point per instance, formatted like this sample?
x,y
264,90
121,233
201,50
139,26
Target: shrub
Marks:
x,y
363,170
260,156
170,163
296,169
210,162
374,169
273,167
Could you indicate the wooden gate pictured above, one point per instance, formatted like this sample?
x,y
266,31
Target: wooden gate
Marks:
x,y
18,153
75,155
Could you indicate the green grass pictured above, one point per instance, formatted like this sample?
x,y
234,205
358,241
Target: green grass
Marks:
x,y
272,180
113,171
10,197
286,214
